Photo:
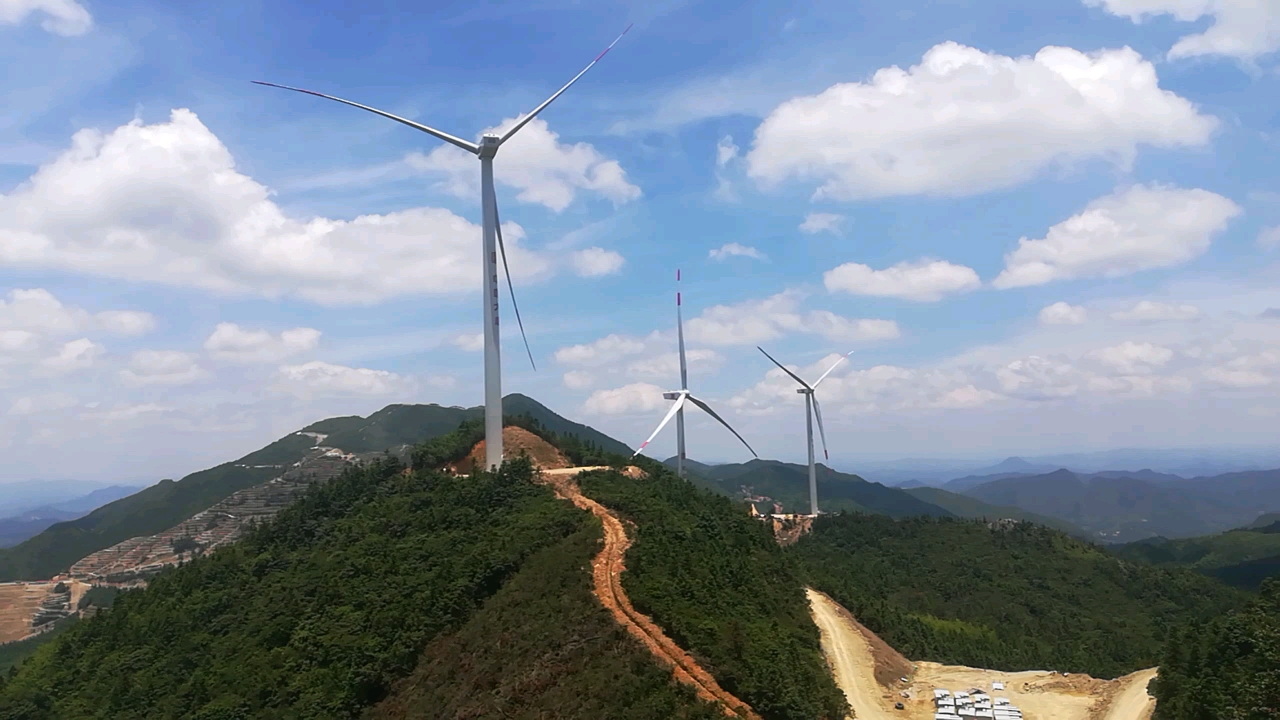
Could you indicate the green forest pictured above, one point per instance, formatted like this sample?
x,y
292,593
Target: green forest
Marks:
x,y
1243,558
1224,668
1008,596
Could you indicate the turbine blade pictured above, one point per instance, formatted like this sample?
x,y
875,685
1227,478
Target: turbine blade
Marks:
x,y
684,369
675,407
525,120
817,411
833,367
784,368
707,409
468,146
503,250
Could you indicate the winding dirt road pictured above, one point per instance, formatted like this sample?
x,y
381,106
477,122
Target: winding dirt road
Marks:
x,y
607,567
1132,702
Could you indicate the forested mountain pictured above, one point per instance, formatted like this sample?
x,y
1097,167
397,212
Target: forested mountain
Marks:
x,y
1243,557
1010,596
1120,509
428,595
788,483
167,503
968,507
1226,667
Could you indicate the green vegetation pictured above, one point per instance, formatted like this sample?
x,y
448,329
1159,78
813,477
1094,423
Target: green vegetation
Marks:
x,y
455,445
973,508
1243,558
13,653
716,581
543,647
1227,667
314,615
1009,596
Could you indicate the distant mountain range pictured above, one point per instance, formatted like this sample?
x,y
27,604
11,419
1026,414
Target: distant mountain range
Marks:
x,y
29,523
1243,557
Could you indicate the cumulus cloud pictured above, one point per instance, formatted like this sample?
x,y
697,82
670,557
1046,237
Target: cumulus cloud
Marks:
x,y
73,356
1244,29
545,171
606,350
470,342
633,398
1139,228
1147,311
49,402
922,281
667,365
232,343
61,17
162,367
725,151
964,121
578,379
1132,358
1061,313
733,249
596,262
164,203
319,378
39,310
756,321
126,322
817,222
15,341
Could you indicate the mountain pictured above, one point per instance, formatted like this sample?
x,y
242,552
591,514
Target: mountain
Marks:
x,y
1248,492
967,507
968,482
14,530
1002,595
1266,520
788,484
168,503
1243,557
17,498
1114,509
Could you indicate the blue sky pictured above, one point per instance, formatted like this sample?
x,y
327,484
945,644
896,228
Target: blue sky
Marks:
x,y
192,265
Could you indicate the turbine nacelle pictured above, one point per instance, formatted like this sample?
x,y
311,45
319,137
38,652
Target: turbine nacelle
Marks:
x,y
672,395
489,145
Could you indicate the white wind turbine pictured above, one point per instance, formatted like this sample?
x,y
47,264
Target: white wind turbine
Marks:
x,y
811,408
491,230
681,396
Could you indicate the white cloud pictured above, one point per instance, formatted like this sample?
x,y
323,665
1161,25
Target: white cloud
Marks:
x,y
75,355
12,341
62,17
596,262
1132,358
578,379
232,343
606,350
817,222
1149,311
164,203
922,281
42,403
38,309
319,378
1244,29
469,342
633,398
733,249
725,151
162,367
755,321
1061,313
964,122
126,322
1269,238
535,162
1136,229
667,365
122,413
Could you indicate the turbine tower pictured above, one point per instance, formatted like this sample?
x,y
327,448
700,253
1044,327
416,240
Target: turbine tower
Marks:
x,y
811,409
491,231
682,396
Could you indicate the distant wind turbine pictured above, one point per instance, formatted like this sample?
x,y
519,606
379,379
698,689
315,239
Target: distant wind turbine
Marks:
x,y
681,396
811,408
491,229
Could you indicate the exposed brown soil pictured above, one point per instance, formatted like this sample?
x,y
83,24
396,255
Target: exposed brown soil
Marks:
x,y
607,568
19,602
788,530
515,442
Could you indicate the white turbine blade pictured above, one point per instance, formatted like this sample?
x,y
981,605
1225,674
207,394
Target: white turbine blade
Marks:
x,y
833,367
784,368
498,225
707,409
684,370
675,407
525,120
817,411
468,146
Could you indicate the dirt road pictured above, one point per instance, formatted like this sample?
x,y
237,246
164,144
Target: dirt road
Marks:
x,y
607,567
1132,701
851,660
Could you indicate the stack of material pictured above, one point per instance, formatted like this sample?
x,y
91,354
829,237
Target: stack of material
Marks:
x,y
974,703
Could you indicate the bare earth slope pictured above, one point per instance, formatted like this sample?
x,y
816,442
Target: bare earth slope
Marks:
x,y
855,654
607,569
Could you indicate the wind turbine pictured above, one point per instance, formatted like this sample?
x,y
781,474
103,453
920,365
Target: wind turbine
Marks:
x,y
491,230
682,396
811,408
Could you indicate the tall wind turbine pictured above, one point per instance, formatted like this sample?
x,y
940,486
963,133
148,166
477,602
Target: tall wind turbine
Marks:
x,y
682,396
811,408
491,230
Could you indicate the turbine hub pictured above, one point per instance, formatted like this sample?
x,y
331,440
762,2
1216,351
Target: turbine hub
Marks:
x,y
670,395
489,146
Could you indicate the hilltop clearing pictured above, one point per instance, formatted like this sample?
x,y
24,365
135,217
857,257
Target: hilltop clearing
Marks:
x,y
860,661
1006,595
